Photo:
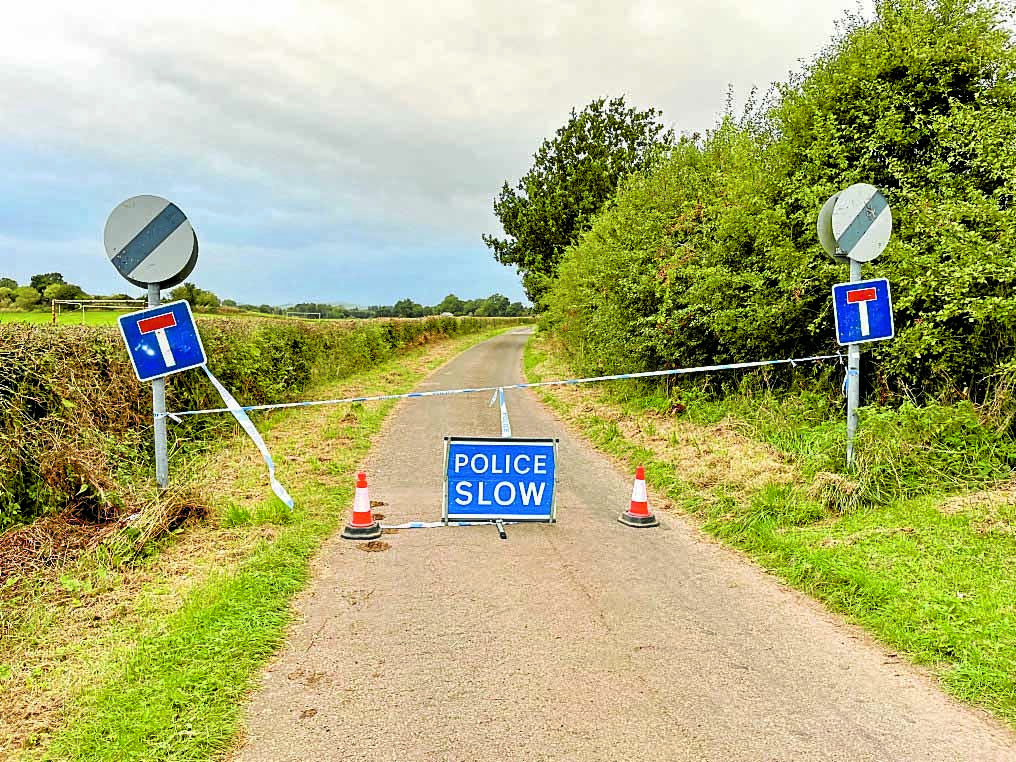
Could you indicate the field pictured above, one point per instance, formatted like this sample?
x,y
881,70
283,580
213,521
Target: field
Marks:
x,y
108,317
918,545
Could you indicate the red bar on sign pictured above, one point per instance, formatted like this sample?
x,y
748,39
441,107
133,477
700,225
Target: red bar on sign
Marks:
x,y
861,295
166,320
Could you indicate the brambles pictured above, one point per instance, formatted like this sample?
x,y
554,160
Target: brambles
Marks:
x,y
711,256
75,424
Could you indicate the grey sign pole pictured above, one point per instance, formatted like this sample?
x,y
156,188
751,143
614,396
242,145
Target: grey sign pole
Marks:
x,y
151,244
854,226
853,378
159,409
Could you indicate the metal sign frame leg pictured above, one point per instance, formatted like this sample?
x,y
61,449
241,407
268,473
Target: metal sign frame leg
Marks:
x,y
853,378
159,409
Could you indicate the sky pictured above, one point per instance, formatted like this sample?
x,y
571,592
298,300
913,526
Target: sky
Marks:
x,y
339,151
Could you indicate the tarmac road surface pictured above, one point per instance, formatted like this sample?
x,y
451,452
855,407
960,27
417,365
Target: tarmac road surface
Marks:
x,y
584,640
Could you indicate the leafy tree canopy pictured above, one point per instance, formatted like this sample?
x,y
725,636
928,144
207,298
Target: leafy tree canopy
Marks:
x,y
26,297
452,304
574,174
407,308
63,291
713,255
197,297
39,282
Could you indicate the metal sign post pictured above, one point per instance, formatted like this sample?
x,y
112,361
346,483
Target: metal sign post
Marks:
x,y
853,378
161,340
159,409
854,226
152,244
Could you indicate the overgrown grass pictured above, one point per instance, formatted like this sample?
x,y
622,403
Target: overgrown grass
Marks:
x,y
918,544
164,678
71,410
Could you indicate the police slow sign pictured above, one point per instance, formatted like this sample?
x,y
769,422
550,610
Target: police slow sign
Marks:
x,y
502,478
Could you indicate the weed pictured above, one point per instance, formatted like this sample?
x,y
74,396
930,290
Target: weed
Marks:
x,y
900,545
151,652
236,515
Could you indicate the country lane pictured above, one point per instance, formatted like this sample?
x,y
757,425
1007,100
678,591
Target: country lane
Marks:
x,y
584,640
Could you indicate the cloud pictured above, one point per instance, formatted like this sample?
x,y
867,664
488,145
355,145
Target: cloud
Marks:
x,y
386,122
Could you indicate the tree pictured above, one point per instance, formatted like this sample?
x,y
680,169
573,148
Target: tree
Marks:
x,y
206,299
575,173
39,282
188,291
921,103
26,297
452,304
8,283
6,296
407,308
472,306
495,305
713,257
63,291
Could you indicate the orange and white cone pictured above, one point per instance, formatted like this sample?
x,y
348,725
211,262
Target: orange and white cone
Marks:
x,y
362,525
638,514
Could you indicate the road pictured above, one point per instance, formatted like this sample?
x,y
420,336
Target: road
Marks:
x,y
584,640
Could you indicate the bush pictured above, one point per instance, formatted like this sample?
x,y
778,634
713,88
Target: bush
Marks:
x,y
74,419
713,256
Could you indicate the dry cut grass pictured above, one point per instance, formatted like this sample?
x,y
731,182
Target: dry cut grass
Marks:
x,y
75,589
718,455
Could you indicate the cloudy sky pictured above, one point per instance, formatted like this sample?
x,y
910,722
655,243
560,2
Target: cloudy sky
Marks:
x,y
338,151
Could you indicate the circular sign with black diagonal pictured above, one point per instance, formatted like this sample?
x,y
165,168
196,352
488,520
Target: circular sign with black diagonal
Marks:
x,y
861,222
825,231
149,240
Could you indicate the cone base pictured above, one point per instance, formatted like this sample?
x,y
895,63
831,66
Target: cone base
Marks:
x,y
371,532
632,520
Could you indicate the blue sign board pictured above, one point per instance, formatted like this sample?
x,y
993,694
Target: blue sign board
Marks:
x,y
863,311
502,478
162,340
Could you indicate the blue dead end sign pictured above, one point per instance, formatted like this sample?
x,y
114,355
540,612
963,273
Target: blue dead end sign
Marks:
x,y
162,340
863,311
500,478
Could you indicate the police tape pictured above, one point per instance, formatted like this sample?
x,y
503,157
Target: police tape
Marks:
x,y
248,426
436,524
176,416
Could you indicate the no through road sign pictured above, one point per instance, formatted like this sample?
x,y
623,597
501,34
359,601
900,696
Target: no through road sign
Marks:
x,y
861,222
863,311
162,340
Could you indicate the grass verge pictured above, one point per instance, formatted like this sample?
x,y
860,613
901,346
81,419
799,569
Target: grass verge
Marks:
x,y
150,660
918,546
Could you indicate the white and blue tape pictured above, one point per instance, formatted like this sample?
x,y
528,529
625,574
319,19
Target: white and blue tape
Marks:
x,y
240,411
436,524
506,426
245,422
499,390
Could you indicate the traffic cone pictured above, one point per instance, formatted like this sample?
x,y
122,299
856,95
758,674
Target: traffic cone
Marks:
x,y
638,515
362,525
